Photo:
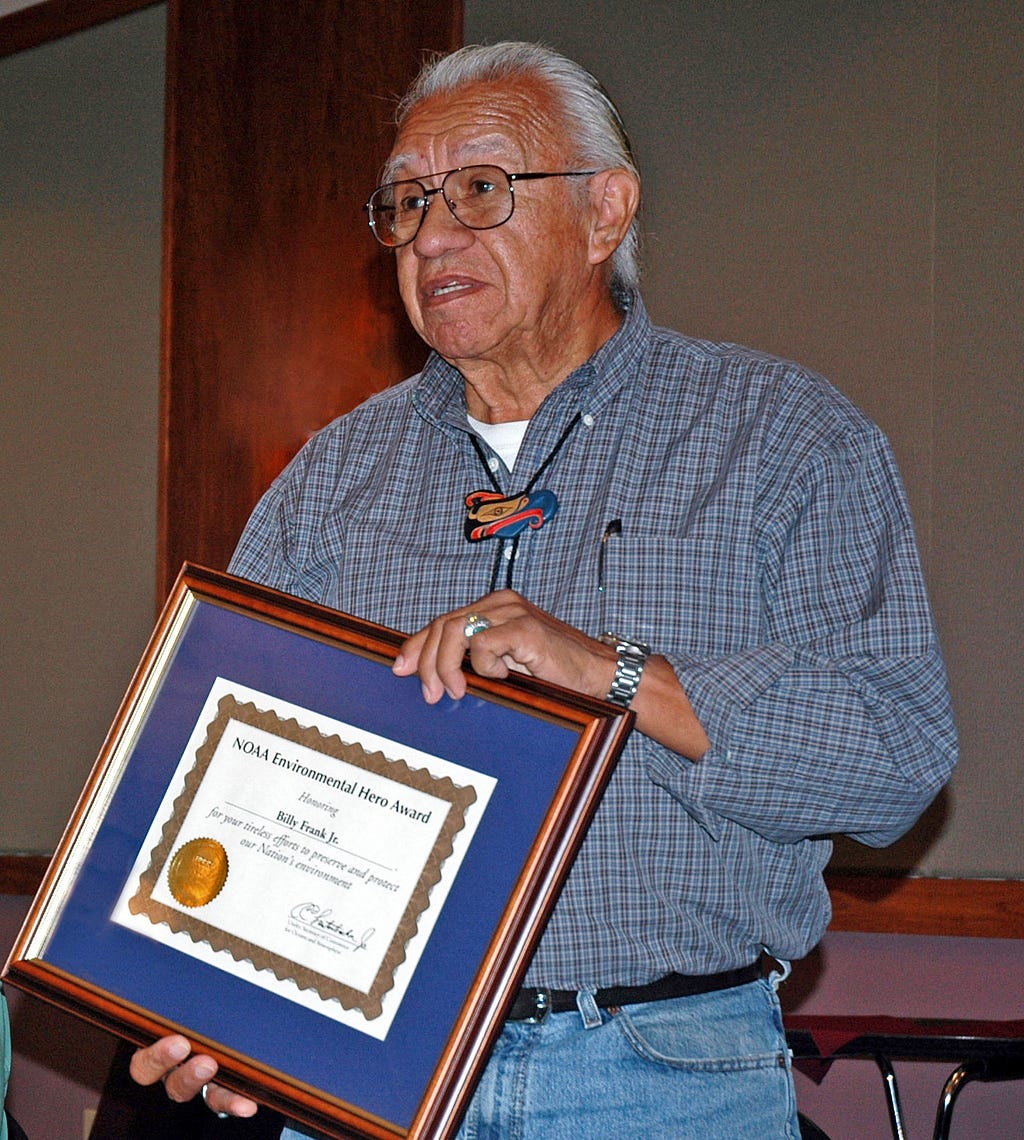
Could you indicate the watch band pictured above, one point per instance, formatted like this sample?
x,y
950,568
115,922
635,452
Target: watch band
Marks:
x,y
632,656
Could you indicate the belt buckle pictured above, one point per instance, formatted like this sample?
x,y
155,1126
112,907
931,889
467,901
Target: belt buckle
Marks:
x,y
541,1008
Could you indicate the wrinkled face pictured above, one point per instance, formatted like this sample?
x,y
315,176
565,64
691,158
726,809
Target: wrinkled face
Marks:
x,y
504,296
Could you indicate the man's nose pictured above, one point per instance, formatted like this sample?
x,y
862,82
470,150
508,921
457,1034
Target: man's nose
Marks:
x,y
440,231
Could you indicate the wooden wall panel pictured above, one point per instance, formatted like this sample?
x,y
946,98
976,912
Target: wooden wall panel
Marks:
x,y
39,23
280,311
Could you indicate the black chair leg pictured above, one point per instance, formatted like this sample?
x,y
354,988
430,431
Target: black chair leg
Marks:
x,y
892,1098
989,1070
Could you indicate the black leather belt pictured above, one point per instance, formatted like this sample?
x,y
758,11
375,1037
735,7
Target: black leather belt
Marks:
x,y
536,1004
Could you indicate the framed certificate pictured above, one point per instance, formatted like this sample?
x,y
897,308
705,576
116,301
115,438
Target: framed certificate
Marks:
x,y
286,855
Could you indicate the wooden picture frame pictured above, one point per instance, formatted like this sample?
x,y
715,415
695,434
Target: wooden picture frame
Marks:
x,y
270,798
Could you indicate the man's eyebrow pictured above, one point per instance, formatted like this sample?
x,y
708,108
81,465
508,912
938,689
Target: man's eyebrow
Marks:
x,y
394,164
468,153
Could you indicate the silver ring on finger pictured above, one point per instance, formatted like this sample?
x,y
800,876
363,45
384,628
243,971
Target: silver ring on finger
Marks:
x,y
475,623
219,1115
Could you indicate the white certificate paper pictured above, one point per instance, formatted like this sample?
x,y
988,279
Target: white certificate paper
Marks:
x,y
303,854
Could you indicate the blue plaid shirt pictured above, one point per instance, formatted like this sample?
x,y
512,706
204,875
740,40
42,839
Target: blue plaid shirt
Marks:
x,y
762,544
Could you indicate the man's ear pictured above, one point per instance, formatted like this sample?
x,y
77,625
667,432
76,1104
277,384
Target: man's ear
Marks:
x,y
614,200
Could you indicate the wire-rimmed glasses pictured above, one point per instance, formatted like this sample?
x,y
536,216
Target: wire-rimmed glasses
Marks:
x,y
480,197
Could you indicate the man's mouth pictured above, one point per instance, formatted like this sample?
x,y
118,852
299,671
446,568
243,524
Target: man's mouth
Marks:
x,y
449,288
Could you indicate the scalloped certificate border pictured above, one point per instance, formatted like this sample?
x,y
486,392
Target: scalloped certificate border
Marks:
x,y
142,904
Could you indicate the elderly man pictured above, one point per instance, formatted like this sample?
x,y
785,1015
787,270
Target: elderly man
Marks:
x,y
724,547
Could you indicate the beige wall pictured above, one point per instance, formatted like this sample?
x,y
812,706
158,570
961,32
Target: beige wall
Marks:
x,y
81,138
841,184
836,183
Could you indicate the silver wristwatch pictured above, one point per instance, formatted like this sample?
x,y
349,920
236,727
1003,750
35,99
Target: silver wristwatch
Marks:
x,y
633,656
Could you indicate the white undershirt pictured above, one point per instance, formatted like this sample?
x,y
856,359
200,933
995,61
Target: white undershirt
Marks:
x,y
505,439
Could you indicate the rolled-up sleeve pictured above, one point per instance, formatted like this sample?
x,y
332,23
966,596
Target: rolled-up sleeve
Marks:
x,y
839,720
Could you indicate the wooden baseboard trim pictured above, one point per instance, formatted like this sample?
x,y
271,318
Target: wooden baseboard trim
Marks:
x,y
877,904
22,874
890,904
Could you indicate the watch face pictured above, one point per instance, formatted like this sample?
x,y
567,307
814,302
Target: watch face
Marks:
x,y
623,644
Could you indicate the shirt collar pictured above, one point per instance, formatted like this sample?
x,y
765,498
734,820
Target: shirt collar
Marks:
x,y
440,390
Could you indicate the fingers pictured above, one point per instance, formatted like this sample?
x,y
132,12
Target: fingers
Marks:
x,y
501,632
437,651
155,1062
225,1102
184,1076
187,1080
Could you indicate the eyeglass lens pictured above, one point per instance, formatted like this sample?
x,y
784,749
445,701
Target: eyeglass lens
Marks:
x,y
479,196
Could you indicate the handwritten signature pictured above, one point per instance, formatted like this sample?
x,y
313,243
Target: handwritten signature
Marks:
x,y
322,918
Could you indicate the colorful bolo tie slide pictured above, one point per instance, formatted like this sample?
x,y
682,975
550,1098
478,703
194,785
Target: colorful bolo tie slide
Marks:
x,y
489,514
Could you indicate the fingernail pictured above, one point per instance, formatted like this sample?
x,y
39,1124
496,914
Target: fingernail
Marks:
x,y
205,1070
178,1049
399,662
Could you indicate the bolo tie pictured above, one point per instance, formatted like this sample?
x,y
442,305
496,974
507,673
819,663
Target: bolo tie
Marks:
x,y
493,514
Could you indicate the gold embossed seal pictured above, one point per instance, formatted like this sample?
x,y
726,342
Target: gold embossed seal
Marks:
x,y
197,872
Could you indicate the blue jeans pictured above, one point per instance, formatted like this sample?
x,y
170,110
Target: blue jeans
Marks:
x,y
709,1067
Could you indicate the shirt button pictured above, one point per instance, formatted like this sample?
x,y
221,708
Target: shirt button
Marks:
x,y
588,420
494,463
507,553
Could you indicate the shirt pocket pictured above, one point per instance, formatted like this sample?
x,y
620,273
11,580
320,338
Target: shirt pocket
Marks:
x,y
692,596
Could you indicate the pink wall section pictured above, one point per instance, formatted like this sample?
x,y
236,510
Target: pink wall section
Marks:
x,y
60,1064
915,976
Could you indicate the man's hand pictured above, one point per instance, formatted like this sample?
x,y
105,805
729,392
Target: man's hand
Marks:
x,y
184,1076
522,637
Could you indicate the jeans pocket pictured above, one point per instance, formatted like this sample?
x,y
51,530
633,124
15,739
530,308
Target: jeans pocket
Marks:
x,y
728,1031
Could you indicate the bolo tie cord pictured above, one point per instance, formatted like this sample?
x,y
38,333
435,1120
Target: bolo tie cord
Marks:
x,y
511,561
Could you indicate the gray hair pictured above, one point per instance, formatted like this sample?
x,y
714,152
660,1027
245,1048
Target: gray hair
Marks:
x,y
591,119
